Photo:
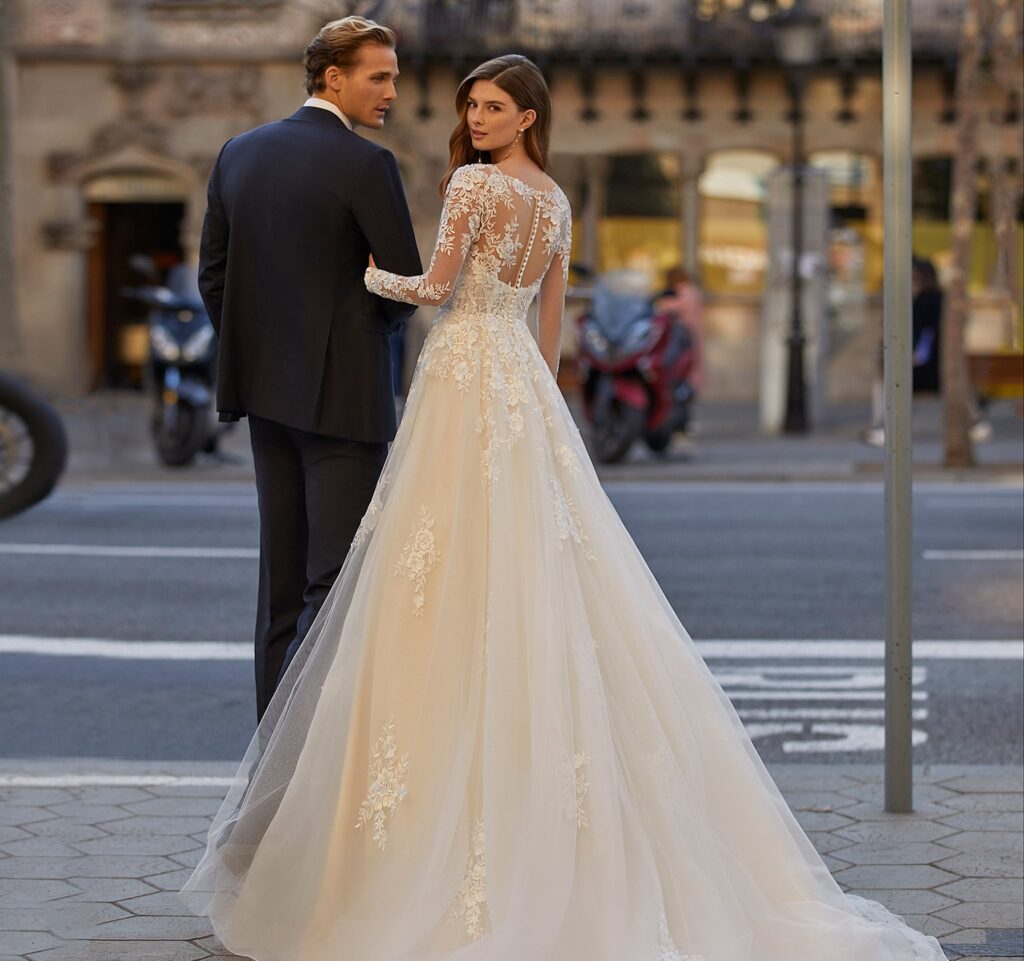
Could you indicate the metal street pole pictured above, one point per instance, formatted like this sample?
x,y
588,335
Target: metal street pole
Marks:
x,y
796,400
896,84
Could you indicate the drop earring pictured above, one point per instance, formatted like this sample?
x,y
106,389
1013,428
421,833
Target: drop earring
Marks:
x,y
515,143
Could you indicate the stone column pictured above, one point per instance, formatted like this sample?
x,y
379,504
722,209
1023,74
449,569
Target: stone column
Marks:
x,y
595,176
9,339
691,168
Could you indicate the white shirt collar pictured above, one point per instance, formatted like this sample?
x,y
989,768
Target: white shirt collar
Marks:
x,y
327,105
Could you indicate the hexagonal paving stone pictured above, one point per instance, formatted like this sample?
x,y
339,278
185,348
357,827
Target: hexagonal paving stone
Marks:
x,y
11,832
149,826
123,951
87,813
895,852
101,794
906,901
69,831
997,803
178,807
825,842
169,880
21,891
164,928
984,821
39,848
978,841
930,925
990,864
24,942
914,829
112,866
973,914
162,903
20,815
109,889
869,877
985,889
164,844
1007,780
821,820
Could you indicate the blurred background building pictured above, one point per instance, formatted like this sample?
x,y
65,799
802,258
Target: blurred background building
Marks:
x,y
673,128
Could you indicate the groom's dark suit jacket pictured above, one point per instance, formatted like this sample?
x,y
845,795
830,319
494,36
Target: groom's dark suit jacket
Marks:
x,y
295,208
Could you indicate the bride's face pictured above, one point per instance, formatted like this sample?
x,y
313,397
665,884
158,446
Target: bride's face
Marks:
x,y
493,117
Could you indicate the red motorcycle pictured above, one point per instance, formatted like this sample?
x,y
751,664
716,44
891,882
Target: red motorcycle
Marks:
x,y
634,367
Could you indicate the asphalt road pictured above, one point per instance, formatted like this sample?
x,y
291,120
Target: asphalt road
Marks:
x,y
781,570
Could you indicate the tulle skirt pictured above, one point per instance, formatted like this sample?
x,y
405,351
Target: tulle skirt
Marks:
x,y
498,743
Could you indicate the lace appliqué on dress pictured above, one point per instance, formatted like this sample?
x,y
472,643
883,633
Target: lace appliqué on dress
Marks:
x,y
387,790
471,900
373,510
667,950
573,787
567,518
417,560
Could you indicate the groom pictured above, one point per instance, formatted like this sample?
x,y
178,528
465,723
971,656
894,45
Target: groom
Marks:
x,y
295,209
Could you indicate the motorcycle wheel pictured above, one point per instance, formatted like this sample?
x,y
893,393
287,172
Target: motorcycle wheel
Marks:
x,y
659,440
615,432
33,447
177,446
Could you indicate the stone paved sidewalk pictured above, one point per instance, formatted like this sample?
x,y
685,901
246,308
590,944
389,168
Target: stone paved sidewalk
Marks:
x,y
89,873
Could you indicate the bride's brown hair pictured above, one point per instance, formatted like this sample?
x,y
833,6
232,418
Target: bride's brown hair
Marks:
x,y
522,80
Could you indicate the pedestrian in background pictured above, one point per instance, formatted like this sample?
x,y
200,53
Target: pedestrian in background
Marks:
x,y
682,299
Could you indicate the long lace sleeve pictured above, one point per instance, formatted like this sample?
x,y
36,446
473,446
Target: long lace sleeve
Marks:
x,y
460,225
551,302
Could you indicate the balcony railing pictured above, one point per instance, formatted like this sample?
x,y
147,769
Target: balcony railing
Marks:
x,y
737,30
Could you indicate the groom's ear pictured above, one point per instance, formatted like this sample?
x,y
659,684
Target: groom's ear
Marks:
x,y
333,76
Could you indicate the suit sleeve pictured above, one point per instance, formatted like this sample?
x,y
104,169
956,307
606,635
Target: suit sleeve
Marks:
x,y
380,209
213,248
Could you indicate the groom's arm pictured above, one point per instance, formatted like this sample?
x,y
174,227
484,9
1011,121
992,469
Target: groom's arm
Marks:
x,y
380,209
213,249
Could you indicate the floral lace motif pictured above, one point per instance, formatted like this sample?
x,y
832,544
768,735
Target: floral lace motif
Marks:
x,y
573,787
417,560
471,900
369,522
667,950
387,785
567,518
480,336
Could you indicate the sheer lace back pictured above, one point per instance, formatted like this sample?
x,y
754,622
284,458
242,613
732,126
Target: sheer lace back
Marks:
x,y
498,240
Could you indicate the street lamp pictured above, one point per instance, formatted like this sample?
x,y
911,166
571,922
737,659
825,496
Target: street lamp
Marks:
x,y
798,47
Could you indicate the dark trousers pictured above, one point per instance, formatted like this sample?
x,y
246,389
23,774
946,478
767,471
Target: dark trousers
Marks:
x,y
313,491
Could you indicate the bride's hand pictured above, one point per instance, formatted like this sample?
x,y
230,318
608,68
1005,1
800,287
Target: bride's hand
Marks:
x,y
372,264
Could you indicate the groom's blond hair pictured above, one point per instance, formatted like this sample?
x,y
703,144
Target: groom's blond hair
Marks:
x,y
338,44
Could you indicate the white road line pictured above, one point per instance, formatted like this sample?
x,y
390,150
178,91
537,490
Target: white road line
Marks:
x,y
125,650
766,649
822,713
107,550
968,650
111,780
973,555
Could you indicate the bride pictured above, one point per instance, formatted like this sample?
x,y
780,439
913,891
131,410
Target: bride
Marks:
x,y
498,743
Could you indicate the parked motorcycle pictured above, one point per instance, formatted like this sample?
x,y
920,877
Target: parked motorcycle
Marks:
x,y
33,447
634,367
182,364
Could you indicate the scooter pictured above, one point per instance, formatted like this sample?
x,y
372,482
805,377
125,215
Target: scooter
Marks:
x,y
634,367
33,447
182,365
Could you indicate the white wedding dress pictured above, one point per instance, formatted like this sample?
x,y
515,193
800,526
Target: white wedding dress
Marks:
x,y
498,743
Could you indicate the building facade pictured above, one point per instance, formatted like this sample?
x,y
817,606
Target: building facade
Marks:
x,y
672,119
